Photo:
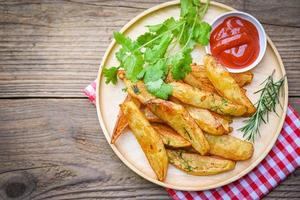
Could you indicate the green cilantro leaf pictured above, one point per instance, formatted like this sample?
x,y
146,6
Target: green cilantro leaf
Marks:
x,y
164,91
141,74
188,10
168,24
181,64
127,44
129,56
158,51
159,89
201,33
156,71
187,40
121,54
146,38
194,31
110,75
133,65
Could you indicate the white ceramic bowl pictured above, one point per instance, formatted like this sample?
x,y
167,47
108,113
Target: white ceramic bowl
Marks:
x,y
260,30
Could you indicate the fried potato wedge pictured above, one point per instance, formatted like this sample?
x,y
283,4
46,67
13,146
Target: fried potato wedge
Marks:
x,y
198,78
201,83
150,116
206,121
148,138
243,78
226,85
122,122
179,119
225,121
229,147
169,136
207,100
198,165
224,146
138,90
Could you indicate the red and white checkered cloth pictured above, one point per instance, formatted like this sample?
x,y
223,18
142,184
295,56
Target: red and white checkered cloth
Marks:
x,y
282,160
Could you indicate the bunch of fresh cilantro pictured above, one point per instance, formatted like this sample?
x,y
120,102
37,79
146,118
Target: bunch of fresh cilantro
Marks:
x,y
150,57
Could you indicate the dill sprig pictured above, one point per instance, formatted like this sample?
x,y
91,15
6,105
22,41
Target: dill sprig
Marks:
x,y
269,97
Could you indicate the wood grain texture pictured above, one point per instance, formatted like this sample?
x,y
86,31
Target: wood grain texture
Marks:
x,y
59,145
53,49
51,145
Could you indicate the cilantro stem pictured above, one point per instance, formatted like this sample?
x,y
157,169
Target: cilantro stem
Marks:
x,y
149,42
157,37
181,33
204,9
190,36
177,39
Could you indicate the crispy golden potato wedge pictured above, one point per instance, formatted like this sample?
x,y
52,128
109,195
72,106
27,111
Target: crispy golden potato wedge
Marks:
x,y
225,146
226,85
207,100
198,165
243,79
138,90
122,122
150,116
148,138
225,117
169,136
206,121
229,147
225,121
198,78
201,82
120,125
225,125
179,119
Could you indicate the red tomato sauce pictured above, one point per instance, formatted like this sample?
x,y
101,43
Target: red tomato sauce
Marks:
x,y
235,43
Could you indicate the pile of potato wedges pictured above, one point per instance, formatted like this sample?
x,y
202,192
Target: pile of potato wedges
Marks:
x,y
191,129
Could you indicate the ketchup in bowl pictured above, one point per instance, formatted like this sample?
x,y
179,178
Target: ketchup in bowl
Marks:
x,y
235,43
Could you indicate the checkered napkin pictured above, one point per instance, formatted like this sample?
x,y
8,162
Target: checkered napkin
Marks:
x,y
282,160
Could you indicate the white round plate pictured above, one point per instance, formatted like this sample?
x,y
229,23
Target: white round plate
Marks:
x,y
128,150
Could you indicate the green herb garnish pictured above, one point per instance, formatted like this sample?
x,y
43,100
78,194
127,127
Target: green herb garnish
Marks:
x,y
269,97
150,56
111,75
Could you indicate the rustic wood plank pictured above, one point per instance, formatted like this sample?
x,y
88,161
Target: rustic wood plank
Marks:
x,y
54,49
58,144
56,149
276,12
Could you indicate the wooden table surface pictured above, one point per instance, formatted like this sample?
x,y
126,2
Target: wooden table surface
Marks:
x,y
51,145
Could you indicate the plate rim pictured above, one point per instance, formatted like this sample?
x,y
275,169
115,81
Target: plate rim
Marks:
x,y
153,180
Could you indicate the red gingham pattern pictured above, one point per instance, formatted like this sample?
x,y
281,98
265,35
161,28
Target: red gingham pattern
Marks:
x,y
282,160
